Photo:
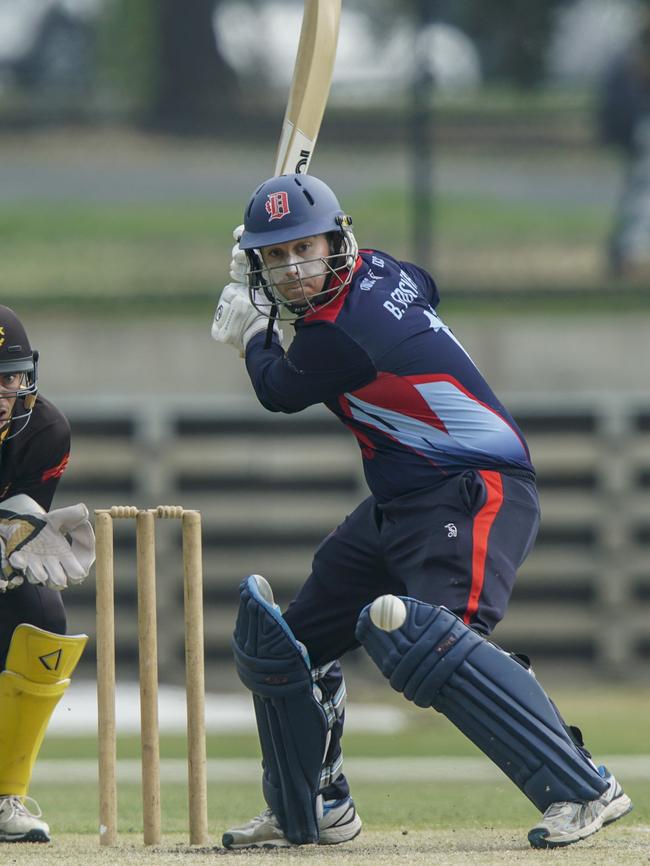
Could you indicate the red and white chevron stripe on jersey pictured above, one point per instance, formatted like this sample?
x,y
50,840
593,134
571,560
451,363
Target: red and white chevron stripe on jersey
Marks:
x,y
434,415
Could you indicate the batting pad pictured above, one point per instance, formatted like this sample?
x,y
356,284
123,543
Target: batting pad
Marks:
x,y
437,661
292,724
39,666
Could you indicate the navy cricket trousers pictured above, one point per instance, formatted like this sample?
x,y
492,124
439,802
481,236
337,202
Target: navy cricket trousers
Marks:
x,y
458,545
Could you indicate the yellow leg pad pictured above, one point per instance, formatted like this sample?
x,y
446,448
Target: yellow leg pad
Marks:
x,y
39,665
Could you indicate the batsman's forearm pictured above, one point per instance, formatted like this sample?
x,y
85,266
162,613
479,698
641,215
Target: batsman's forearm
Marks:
x,y
266,370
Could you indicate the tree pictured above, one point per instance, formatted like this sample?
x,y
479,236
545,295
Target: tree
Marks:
x,y
195,88
162,61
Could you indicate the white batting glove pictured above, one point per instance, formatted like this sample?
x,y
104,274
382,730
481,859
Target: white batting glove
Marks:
x,y
239,262
55,550
236,320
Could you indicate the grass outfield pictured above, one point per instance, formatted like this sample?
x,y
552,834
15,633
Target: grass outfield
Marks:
x,y
393,806
122,223
436,822
614,720
171,259
429,823
80,256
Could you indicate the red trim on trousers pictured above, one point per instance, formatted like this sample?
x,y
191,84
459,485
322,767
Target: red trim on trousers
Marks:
x,y
480,534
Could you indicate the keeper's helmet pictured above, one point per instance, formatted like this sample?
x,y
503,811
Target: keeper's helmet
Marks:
x,y
288,208
17,356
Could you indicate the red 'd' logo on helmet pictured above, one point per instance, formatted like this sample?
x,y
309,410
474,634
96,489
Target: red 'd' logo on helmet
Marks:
x,y
277,205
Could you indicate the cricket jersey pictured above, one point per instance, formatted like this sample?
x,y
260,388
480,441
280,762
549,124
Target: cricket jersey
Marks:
x,y
383,361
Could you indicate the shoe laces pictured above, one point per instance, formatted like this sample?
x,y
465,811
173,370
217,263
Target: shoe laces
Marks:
x,y
266,815
555,810
19,807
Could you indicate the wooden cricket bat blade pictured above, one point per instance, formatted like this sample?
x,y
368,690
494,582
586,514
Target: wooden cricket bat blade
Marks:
x,y
310,85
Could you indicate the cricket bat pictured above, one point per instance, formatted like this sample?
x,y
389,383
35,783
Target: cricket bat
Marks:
x,y
310,86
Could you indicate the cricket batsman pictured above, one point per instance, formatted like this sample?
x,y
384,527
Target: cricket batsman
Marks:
x,y
453,511
42,552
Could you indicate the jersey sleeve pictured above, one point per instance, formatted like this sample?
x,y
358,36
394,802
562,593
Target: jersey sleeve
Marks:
x,y
46,459
321,363
423,278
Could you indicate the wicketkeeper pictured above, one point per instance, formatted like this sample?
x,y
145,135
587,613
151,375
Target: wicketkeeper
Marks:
x,y
42,552
453,512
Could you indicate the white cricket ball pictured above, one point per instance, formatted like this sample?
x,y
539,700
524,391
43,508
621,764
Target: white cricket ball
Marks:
x,y
388,612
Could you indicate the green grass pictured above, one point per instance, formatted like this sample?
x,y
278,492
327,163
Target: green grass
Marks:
x,y
174,257
388,806
50,223
483,219
613,719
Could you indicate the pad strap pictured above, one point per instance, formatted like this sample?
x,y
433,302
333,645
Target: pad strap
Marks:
x,y
437,661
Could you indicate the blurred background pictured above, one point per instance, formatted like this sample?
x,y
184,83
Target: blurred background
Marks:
x,y
509,153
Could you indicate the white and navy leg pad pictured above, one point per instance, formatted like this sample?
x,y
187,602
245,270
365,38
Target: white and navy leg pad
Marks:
x,y
437,661
292,725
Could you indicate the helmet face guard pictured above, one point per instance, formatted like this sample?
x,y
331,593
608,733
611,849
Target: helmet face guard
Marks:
x,y
289,208
17,356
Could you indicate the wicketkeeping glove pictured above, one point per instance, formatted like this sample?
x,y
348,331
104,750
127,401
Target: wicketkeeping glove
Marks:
x,y
55,549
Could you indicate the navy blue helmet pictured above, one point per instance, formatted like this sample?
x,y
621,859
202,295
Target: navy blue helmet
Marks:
x,y
288,208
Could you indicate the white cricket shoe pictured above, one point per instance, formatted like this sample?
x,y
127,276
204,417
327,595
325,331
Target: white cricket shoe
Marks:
x,y
567,822
339,823
18,824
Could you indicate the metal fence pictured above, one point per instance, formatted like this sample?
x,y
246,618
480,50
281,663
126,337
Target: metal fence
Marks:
x,y
270,487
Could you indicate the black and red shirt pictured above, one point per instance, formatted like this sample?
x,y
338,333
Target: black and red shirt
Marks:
x,y
33,461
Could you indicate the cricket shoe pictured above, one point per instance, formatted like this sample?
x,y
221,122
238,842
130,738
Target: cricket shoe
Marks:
x,y
18,824
339,823
566,822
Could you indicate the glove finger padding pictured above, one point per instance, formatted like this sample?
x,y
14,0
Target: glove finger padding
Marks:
x,y
67,519
237,233
53,549
55,572
16,530
239,266
83,549
233,316
32,567
73,522
9,577
56,576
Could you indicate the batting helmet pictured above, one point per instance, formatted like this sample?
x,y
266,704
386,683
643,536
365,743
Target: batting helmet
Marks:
x,y
287,208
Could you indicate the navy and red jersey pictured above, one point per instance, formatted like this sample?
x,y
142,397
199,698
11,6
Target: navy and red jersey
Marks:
x,y
380,358
33,461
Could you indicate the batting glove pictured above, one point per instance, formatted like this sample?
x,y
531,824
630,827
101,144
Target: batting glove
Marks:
x,y
236,320
239,262
54,549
